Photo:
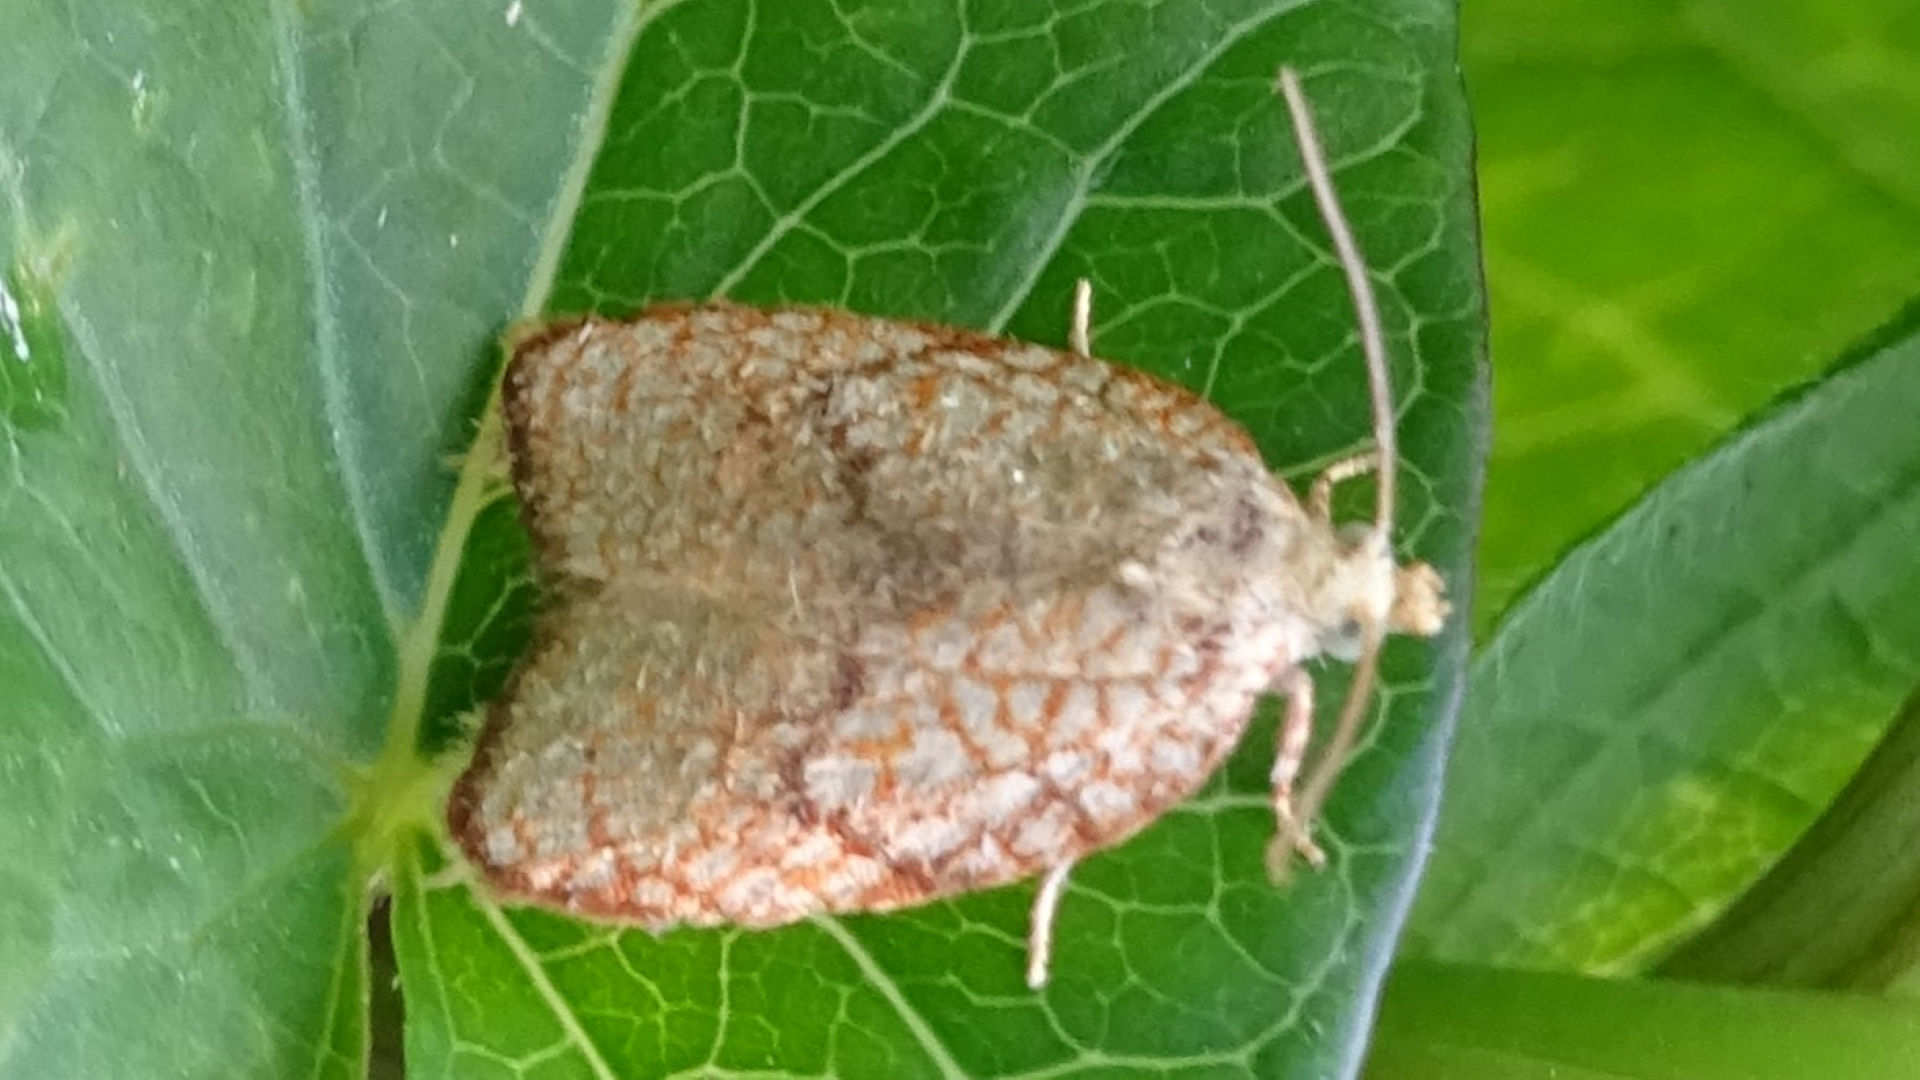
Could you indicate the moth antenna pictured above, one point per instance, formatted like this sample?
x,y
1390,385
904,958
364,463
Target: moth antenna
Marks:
x,y
1346,731
1360,286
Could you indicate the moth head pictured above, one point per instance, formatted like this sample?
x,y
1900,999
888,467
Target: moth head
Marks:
x,y
1367,595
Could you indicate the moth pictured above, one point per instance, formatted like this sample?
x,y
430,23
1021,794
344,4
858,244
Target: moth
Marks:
x,y
851,614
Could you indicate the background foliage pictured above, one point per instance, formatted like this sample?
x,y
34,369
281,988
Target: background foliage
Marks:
x,y
1688,209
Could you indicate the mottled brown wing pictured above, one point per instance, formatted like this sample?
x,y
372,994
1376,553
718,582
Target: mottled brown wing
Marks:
x,y
798,449
612,778
666,758
859,613
983,748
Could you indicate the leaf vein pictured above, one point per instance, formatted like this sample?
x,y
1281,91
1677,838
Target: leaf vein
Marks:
x,y
882,982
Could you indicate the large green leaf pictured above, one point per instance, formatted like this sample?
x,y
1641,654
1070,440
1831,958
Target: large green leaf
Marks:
x,y
1689,208
1670,707
967,169
260,258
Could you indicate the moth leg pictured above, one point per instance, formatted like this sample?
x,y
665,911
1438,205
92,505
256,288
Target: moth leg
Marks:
x,y
1046,902
1077,331
1320,495
1291,834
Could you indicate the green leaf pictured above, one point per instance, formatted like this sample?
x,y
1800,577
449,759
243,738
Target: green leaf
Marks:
x,y
1841,909
1672,705
1447,1022
257,262
256,257
1690,207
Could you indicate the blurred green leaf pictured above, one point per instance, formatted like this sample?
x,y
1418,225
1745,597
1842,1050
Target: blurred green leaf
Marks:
x,y
1673,704
1841,909
1446,1022
1689,208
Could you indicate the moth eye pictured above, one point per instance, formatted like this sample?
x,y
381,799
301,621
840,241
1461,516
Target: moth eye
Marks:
x,y
1342,640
